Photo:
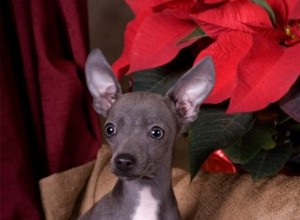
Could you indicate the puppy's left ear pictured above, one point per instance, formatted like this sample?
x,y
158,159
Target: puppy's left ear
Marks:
x,y
192,88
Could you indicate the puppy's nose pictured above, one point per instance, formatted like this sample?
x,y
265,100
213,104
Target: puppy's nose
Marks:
x,y
125,162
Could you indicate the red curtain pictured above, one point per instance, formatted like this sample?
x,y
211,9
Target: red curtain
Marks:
x,y
47,124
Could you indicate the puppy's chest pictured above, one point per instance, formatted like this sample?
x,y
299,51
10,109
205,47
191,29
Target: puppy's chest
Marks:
x,y
147,207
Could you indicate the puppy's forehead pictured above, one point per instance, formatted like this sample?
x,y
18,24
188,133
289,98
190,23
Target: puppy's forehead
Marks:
x,y
141,104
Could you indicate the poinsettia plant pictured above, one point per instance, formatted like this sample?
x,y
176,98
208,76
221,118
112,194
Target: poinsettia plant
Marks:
x,y
255,45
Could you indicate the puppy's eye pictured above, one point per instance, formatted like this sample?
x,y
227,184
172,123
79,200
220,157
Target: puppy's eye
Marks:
x,y
156,133
110,130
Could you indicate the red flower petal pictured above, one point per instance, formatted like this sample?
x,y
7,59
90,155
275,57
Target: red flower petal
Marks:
x,y
272,34
280,10
233,15
181,5
265,75
214,1
178,8
121,65
293,9
140,5
227,52
157,41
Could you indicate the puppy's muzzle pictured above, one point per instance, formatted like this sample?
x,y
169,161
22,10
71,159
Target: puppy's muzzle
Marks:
x,y
125,162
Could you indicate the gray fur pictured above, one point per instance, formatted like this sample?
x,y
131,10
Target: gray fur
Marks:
x,y
134,115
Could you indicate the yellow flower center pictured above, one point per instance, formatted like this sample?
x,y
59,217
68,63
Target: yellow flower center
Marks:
x,y
292,30
289,32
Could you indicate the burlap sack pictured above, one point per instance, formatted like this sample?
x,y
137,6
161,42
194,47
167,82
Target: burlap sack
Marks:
x,y
209,196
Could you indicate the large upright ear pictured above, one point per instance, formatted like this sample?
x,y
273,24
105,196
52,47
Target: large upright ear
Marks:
x,y
101,82
192,88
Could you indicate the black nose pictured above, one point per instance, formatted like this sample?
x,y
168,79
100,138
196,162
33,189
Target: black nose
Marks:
x,y
124,162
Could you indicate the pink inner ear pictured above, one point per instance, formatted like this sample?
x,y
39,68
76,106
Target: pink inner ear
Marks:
x,y
187,110
103,103
101,107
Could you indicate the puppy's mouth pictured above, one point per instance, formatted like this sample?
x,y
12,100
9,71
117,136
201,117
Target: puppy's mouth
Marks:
x,y
131,176
126,176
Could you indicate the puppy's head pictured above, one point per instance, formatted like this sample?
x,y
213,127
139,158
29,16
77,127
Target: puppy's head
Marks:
x,y
141,127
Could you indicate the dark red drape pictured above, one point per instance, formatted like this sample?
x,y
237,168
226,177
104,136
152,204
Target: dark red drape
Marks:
x,y
47,124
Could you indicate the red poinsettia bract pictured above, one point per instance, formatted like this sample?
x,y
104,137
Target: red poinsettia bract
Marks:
x,y
256,47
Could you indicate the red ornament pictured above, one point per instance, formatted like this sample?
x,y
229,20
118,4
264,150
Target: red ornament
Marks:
x,y
218,162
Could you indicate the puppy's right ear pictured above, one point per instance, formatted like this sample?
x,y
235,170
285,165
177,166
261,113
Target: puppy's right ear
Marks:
x,y
101,82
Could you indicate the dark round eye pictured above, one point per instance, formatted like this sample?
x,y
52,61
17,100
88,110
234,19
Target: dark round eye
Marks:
x,y
156,133
109,130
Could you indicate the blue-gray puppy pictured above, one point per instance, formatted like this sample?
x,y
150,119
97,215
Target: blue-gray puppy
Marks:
x,y
141,129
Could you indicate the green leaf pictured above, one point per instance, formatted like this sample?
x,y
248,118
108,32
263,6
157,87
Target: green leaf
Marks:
x,y
214,130
155,80
161,79
268,8
290,103
259,137
263,135
295,127
197,33
268,162
241,153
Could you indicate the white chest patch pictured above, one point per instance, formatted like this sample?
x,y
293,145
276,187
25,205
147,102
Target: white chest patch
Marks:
x,y
147,208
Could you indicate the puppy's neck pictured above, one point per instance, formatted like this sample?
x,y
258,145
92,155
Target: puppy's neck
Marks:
x,y
160,185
